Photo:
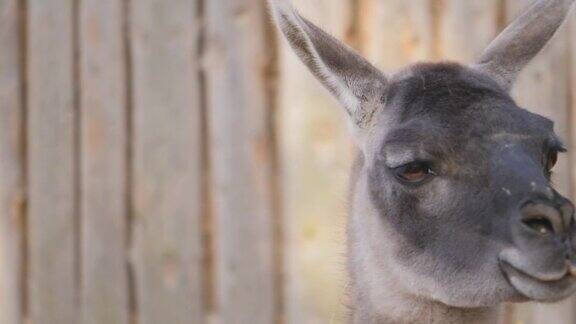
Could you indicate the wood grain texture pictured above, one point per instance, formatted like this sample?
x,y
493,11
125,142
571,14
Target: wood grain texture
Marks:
x,y
543,88
466,28
315,158
396,33
571,41
51,160
11,165
104,287
166,161
571,38
237,58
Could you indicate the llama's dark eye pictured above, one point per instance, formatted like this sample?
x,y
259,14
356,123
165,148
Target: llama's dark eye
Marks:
x,y
551,160
414,172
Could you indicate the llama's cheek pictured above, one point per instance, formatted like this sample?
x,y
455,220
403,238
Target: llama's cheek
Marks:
x,y
434,200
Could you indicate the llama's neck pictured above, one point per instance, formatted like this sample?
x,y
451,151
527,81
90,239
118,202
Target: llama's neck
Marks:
x,y
392,307
428,314
378,294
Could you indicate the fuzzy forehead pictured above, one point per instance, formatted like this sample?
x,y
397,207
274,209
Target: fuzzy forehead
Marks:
x,y
443,88
453,96
446,106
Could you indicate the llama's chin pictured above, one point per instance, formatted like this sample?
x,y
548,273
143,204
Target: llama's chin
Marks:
x,y
538,290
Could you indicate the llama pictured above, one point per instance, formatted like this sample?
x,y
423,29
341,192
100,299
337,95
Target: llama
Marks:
x,y
452,212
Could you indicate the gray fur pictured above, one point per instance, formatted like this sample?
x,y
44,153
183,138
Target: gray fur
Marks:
x,y
508,54
484,226
348,76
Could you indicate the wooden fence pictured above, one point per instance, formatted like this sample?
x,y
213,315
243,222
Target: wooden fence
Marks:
x,y
171,162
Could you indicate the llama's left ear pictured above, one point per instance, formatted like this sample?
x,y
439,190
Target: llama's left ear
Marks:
x,y
506,56
355,82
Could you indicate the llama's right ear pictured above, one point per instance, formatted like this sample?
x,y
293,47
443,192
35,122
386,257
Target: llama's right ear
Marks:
x,y
520,42
355,82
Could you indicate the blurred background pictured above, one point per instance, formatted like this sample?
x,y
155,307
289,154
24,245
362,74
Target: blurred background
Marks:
x,y
172,162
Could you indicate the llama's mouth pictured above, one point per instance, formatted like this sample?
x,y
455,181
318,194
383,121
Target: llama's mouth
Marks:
x,y
537,289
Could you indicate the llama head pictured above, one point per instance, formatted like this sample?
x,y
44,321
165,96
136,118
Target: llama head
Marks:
x,y
457,176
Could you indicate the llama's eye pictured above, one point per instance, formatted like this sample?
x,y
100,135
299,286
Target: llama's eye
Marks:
x,y
551,160
414,172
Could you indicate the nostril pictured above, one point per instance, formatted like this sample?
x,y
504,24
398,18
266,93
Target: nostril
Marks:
x,y
539,224
543,218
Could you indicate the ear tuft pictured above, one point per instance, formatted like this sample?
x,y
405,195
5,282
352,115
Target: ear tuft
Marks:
x,y
348,76
520,42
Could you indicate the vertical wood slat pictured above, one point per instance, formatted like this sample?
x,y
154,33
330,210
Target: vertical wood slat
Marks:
x,y
466,28
549,73
237,58
104,288
572,82
51,153
315,155
166,161
11,165
397,33
571,41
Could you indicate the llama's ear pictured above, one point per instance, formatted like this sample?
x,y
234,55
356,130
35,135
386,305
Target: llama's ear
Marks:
x,y
506,56
355,82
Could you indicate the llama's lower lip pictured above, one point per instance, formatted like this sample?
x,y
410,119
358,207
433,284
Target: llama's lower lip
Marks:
x,y
536,289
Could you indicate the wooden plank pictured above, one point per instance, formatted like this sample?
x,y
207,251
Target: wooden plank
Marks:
x,y
166,164
11,165
548,74
315,154
51,157
571,41
396,33
237,61
466,28
572,52
104,287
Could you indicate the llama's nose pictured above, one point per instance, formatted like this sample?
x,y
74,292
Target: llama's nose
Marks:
x,y
548,218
